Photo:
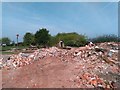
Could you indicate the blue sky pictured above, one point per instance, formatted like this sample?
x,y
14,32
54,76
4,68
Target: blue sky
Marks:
x,y
89,18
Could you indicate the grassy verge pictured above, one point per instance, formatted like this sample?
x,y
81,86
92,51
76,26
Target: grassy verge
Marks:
x,y
7,53
6,48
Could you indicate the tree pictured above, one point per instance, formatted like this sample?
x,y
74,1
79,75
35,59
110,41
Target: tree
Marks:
x,y
52,41
5,40
71,39
42,37
28,38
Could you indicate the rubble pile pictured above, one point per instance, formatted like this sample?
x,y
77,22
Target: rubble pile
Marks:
x,y
23,59
94,62
93,66
1,59
100,60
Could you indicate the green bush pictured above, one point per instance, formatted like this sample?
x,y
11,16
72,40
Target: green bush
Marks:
x,y
5,40
71,39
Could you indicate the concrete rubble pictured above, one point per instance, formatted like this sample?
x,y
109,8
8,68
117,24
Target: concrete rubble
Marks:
x,y
96,62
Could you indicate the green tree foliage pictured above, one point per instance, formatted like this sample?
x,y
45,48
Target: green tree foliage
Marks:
x,y
28,38
71,39
105,38
42,37
5,40
52,41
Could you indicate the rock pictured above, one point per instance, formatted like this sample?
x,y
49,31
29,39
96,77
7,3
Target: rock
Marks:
x,y
23,54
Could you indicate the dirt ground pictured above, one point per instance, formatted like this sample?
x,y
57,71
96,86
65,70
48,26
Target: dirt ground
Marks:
x,y
48,73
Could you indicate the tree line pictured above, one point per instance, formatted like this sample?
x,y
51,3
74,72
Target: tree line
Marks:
x,y
43,38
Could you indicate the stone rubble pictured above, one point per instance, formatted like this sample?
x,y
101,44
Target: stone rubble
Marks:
x,y
93,60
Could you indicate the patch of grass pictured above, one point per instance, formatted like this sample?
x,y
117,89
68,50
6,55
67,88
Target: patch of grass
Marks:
x,y
7,53
6,48
22,47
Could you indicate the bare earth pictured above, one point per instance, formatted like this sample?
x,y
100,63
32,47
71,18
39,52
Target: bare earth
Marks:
x,y
48,73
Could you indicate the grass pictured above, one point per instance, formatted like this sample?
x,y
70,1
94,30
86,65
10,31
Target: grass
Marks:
x,y
5,50
7,53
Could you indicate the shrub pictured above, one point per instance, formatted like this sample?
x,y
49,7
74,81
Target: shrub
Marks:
x,y
71,39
